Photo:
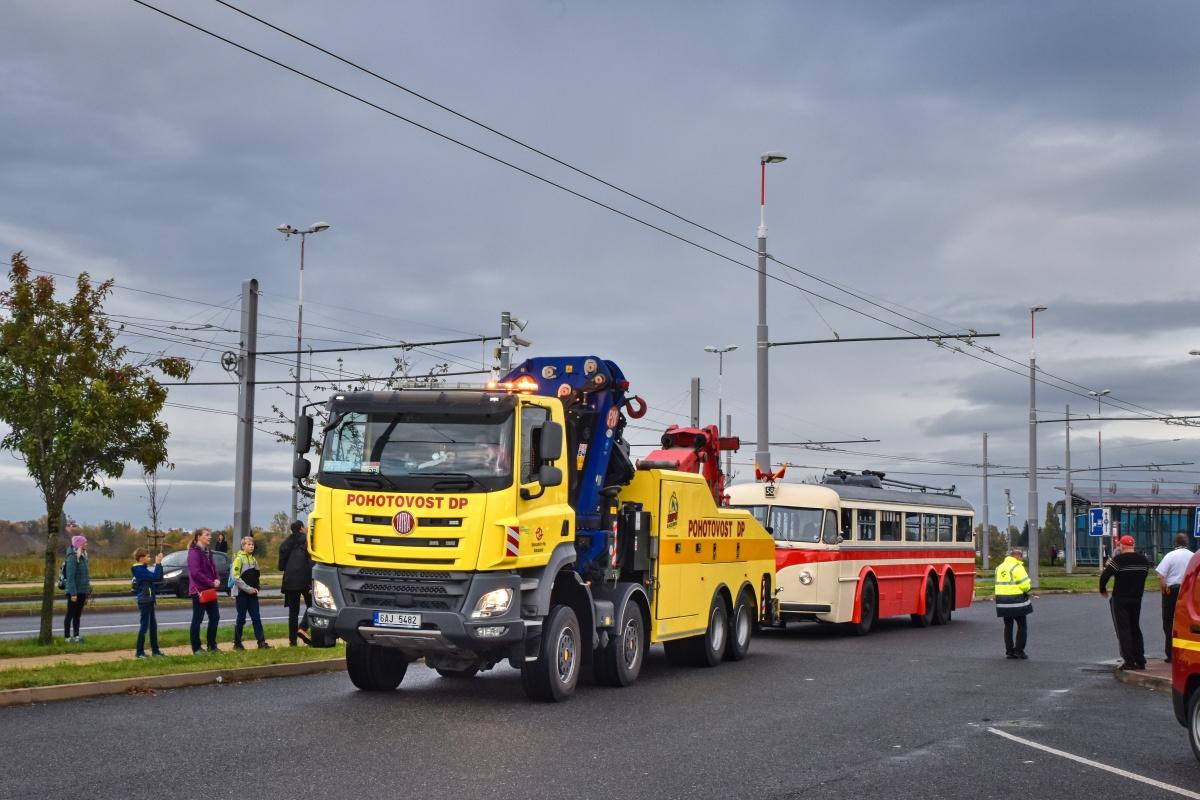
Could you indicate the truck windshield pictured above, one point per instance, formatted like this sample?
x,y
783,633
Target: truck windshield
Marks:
x,y
789,524
412,449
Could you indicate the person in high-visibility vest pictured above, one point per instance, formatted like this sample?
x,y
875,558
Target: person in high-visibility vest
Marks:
x,y
1012,601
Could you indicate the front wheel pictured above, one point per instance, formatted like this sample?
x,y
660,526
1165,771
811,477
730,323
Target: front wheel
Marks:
x,y
619,662
868,609
552,677
373,668
741,626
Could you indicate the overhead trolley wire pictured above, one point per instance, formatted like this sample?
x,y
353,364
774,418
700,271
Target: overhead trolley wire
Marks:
x,y
633,218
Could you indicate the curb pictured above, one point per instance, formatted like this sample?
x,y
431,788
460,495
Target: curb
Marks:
x,y
77,691
1145,680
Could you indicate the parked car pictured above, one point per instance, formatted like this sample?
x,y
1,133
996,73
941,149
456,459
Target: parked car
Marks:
x,y
175,578
1185,654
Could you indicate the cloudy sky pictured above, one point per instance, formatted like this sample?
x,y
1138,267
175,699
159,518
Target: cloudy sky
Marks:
x,y
949,164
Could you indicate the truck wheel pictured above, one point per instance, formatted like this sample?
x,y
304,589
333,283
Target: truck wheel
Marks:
x,y
553,676
619,662
926,619
945,601
710,647
373,668
868,609
741,626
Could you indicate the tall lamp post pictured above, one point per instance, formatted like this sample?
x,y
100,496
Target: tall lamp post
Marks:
x,y
762,448
1031,515
721,351
288,231
1100,465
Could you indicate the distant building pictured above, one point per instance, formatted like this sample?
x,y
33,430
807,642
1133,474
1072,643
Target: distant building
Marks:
x,y
1151,516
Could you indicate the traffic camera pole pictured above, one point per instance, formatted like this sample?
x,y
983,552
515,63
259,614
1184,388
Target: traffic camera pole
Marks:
x,y
983,547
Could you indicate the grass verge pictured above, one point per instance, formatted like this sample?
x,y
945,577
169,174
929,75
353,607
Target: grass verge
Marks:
x,y
108,642
1071,583
146,667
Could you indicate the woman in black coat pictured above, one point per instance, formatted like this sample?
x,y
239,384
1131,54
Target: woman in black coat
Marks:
x,y
296,565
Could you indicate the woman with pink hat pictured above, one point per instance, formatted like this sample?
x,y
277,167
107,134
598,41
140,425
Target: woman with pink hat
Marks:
x,y
79,586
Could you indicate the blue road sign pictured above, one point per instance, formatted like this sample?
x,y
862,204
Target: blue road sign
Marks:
x,y
1196,526
1096,522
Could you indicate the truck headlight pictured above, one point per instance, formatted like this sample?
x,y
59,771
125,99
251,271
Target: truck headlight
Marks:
x,y
493,603
322,597
806,577
175,573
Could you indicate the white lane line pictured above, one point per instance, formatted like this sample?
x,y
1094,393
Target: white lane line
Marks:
x,y
1088,762
89,628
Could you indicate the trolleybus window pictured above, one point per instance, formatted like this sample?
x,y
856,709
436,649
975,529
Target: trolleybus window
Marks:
x,y
912,527
889,526
866,524
796,524
831,528
945,528
964,528
929,527
847,523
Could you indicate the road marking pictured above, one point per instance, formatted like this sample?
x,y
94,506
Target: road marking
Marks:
x,y
1088,762
90,628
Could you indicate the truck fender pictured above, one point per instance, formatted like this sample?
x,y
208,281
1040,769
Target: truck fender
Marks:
x,y
618,597
562,556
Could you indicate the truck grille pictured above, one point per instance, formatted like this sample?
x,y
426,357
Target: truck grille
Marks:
x,y
371,587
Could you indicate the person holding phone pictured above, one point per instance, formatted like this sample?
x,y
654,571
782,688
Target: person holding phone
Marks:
x,y
203,581
145,588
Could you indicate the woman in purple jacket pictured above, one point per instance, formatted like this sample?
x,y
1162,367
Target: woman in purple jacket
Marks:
x,y
202,574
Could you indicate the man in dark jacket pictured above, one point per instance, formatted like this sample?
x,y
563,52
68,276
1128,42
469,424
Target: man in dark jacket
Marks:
x,y
296,565
1129,569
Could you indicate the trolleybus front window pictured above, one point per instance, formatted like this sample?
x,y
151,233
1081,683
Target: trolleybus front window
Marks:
x,y
798,524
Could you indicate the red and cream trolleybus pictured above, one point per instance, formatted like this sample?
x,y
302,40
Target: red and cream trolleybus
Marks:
x,y
858,547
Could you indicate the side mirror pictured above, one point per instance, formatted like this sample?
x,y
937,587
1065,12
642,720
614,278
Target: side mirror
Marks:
x,y
300,468
550,443
549,476
304,432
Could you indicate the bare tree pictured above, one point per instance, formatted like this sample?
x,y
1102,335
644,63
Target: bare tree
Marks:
x,y
155,500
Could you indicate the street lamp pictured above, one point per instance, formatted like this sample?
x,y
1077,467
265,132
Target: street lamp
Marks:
x,y
721,351
1031,514
762,450
1100,457
288,231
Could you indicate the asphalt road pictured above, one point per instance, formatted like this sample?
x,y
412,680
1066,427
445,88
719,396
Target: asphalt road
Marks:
x,y
811,713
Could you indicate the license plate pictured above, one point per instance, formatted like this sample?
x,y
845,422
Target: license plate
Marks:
x,y
393,620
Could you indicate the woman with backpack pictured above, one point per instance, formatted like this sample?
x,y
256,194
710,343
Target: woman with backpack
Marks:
x,y
77,584
145,588
203,581
244,583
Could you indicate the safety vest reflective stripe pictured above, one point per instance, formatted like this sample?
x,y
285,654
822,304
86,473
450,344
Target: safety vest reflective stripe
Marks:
x,y
1014,602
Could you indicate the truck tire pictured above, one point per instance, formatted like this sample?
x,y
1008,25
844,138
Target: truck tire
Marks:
x,y
373,668
619,662
710,648
741,627
1193,722
553,676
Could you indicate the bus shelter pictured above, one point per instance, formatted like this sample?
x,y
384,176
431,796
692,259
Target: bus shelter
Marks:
x,y
1151,517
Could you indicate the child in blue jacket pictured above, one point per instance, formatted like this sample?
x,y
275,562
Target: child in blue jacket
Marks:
x,y
145,587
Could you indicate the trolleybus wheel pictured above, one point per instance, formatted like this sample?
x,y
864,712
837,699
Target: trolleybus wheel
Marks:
x,y
868,608
741,626
619,662
926,619
373,668
553,676
945,601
